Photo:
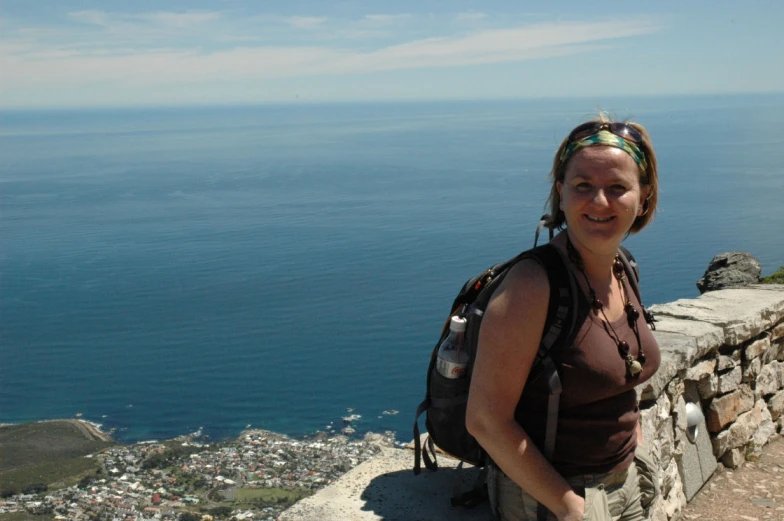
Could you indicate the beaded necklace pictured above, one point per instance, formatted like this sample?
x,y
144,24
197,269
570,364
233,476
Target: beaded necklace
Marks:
x,y
633,365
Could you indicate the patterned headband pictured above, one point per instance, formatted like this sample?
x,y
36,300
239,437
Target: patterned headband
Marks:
x,y
607,138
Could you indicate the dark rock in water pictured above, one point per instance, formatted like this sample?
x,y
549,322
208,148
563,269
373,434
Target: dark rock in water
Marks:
x,y
730,269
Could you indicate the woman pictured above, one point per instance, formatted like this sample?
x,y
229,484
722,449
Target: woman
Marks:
x,y
604,187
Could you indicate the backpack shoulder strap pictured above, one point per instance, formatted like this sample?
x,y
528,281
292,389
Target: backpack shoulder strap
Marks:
x,y
559,327
544,222
562,308
635,268
630,266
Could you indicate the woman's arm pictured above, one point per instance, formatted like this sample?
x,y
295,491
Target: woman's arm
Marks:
x,y
509,338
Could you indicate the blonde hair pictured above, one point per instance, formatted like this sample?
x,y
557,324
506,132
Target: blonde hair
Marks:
x,y
649,178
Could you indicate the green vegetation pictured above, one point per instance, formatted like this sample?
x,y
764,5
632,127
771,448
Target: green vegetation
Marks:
x,y
188,482
54,474
270,496
775,278
173,452
24,516
215,495
34,488
45,454
220,512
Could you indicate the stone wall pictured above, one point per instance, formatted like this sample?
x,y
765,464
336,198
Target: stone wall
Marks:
x,y
723,362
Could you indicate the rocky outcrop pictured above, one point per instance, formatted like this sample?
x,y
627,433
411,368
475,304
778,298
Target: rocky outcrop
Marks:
x,y
730,269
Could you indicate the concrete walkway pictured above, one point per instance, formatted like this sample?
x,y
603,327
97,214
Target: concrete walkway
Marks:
x,y
385,488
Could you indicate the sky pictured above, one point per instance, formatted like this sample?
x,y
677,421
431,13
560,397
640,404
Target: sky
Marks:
x,y
69,53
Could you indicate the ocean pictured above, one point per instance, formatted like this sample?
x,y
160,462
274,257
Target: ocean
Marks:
x,y
166,269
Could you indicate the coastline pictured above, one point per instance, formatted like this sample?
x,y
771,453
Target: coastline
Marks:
x,y
91,430
258,474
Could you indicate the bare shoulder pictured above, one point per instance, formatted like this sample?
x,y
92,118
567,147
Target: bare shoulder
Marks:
x,y
525,286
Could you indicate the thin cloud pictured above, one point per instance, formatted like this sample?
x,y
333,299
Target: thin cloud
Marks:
x,y
470,16
495,46
305,22
36,67
229,38
504,44
91,17
89,31
187,19
388,18
160,18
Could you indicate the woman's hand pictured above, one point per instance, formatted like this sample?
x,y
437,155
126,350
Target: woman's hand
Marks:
x,y
575,508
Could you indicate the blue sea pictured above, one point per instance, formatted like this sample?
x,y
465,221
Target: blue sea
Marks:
x,y
165,269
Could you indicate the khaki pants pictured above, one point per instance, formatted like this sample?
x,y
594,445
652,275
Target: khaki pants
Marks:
x,y
608,497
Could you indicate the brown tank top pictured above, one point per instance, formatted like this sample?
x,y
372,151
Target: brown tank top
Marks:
x,y
598,412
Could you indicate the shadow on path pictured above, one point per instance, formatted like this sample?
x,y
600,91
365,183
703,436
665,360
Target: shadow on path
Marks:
x,y
401,496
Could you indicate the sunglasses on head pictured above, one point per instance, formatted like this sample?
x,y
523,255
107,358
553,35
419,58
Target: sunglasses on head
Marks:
x,y
624,130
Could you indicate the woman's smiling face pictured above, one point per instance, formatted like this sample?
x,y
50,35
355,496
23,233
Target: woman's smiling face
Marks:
x,y
601,197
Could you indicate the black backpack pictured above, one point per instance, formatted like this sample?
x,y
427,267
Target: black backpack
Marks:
x,y
446,399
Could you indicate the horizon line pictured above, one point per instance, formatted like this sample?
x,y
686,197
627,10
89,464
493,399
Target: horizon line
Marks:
x,y
379,101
